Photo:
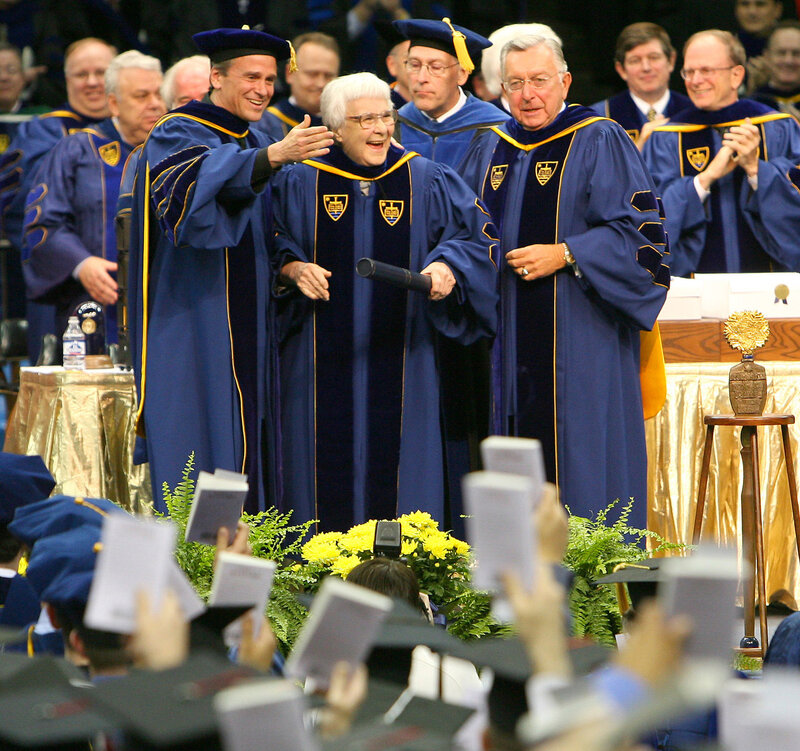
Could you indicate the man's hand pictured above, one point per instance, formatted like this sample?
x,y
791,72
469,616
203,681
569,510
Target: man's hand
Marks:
x,y
310,278
720,165
301,142
535,261
552,526
240,544
257,652
95,276
744,141
648,128
161,639
346,693
442,280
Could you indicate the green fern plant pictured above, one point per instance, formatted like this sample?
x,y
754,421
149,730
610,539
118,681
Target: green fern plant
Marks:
x,y
596,545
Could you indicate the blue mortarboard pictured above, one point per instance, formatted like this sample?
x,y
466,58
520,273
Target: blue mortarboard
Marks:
x,y
59,514
226,44
464,44
62,566
23,480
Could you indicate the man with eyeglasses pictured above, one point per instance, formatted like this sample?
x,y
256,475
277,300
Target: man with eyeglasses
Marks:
x,y
441,119
644,59
317,65
582,274
724,167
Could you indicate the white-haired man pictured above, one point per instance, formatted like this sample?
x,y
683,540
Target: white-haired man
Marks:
x,y
582,275
69,245
186,80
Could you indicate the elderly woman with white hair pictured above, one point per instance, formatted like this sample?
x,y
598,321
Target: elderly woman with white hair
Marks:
x,y
360,420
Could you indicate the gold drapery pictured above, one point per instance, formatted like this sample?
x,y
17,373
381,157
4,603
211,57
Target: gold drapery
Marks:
x,y
82,424
675,440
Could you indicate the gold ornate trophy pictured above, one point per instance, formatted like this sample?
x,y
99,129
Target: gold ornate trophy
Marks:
x,y
747,331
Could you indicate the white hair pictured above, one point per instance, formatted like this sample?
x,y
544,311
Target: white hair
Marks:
x,y
125,60
340,91
490,61
198,62
520,44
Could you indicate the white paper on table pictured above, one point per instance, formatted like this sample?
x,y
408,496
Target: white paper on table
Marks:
x,y
136,556
218,502
242,580
341,627
500,530
516,456
274,710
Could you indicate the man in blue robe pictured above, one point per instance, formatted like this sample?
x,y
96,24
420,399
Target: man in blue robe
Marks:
x,y
781,91
723,169
69,243
644,59
199,277
85,63
441,119
361,428
583,274
317,64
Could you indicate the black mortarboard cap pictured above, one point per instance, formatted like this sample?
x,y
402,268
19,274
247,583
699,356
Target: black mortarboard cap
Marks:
x,y
172,708
23,480
227,44
463,44
205,631
642,578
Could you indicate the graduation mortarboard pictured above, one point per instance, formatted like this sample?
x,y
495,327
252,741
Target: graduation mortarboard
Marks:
x,y
61,566
227,44
23,480
463,44
58,514
642,578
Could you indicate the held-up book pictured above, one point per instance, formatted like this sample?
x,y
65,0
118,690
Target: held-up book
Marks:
x,y
267,714
136,556
242,580
218,502
341,627
500,531
516,456
703,587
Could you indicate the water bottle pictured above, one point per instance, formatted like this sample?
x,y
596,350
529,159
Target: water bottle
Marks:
x,y
74,346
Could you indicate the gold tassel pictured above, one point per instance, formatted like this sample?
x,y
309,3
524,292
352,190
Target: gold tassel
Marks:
x,y
460,43
292,58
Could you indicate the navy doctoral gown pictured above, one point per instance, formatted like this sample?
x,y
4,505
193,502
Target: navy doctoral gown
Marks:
x,y
566,370
360,408
197,299
445,142
70,215
736,229
623,109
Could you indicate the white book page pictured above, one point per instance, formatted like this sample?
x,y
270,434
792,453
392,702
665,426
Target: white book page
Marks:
x,y
218,502
516,456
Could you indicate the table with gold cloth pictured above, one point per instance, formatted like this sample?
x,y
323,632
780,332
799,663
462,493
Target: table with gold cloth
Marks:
x,y
82,424
675,446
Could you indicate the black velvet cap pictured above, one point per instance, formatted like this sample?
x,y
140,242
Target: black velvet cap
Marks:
x,y
227,44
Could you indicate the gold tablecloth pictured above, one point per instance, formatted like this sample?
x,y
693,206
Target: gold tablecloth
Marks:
x,y
675,440
82,424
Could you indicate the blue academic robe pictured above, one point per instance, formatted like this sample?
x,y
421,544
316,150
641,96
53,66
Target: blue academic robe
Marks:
x,y
19,604
566,365
70,216
736,229
361,435
623,109
445,142
280,118
33,140
197,296
776,98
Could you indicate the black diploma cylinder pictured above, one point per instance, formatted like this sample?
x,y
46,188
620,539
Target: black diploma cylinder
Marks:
x,y
400,277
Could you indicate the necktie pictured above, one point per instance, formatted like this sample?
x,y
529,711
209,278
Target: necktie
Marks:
x,y
651,114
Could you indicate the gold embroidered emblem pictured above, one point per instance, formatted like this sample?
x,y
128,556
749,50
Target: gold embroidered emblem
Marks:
x,y
698,157
89,325
110,153
335,205
545,170
4,141
391,211
634,134
498,175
